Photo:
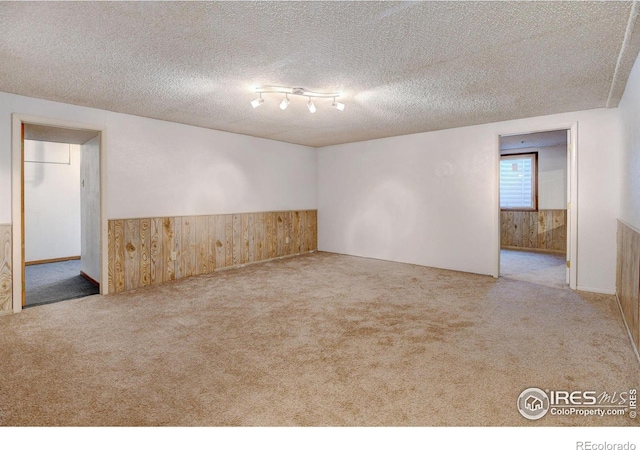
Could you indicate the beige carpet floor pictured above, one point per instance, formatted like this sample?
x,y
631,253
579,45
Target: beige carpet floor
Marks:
x,y
315,340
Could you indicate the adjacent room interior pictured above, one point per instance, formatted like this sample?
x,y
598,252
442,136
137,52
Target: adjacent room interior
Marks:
x,y
534,186
305,225
61,214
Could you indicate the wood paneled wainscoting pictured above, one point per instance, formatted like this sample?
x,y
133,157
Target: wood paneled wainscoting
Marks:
x,y
144,252
543,230
628,278
6,290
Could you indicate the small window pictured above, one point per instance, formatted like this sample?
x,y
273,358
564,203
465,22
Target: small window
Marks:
x,y
518,187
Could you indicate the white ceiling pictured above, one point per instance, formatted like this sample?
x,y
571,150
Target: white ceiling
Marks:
x,y
56,134
403,67
534,140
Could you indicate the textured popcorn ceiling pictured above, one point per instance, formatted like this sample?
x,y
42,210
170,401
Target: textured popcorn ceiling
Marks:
x,y
403,67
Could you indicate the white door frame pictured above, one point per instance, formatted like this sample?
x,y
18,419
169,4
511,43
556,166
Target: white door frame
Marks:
x,y
572,200
16,198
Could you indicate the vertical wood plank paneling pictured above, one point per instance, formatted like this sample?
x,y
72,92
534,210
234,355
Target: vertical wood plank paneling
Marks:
x,y
244,249
6,285
286,246
517,228
533,230
295,232
168,246
188,261
633,281
559,229
280,225
119,252
269,230
220,241
524,230
228,240
202,245
509,228
237,241
140,250
111,255
156,261
541,230
259,237
309,231
252,237
503,228
314,230
304,241
144,253
177,245
548,229
303,232
619,261
132,254
211,242
628,277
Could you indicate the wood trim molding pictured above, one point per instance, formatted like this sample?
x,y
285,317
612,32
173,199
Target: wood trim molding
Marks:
x,y
52,260
89,279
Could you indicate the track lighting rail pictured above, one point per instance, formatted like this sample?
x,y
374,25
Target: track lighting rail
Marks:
x,y
299,91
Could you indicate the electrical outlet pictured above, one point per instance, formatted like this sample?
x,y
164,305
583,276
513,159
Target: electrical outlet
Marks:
x,y
173,256
287,240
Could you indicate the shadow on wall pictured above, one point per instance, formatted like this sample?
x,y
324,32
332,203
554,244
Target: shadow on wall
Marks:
x,y
384,221
35,151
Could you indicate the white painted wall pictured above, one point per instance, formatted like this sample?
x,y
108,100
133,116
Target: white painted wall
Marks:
x,y
51,201
90,207
629,110
431,198
164,168
552,175
428,198
158,168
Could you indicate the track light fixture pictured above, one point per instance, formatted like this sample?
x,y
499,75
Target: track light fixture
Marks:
x,y
257,102
296,91
311,106
285,102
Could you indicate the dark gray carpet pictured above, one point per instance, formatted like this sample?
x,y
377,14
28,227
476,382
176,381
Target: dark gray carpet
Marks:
x,y
54,282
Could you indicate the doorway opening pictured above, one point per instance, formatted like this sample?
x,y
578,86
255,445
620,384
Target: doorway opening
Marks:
x,y
535,192
57,209
61,214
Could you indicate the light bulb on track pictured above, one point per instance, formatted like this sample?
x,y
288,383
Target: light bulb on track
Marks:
x,y
285,102
257,102
311,106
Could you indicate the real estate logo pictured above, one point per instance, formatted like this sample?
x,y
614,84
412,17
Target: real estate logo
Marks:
x,y
533,403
